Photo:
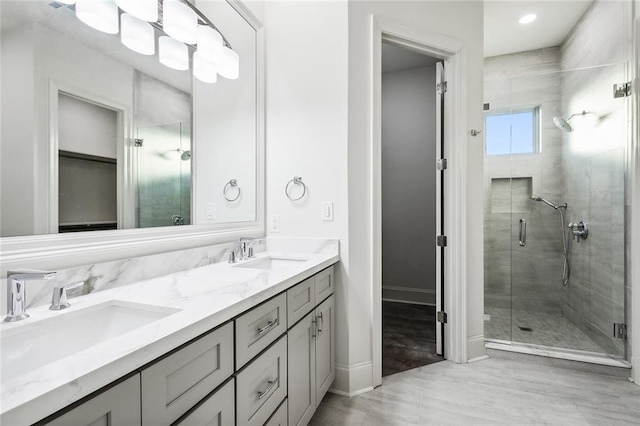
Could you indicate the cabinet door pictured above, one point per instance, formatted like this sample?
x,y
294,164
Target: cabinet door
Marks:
x,y
301,299
325,347
302,374
324,284
176,383
217,410
117,406
259,327
262,385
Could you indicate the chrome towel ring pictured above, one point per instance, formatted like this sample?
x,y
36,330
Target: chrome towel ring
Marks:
x,y
297,180
225,192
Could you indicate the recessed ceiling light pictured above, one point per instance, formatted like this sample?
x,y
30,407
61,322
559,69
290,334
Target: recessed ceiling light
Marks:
x,y
527,19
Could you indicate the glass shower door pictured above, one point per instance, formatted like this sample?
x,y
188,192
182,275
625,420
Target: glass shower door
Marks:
x,y
556,286
164,175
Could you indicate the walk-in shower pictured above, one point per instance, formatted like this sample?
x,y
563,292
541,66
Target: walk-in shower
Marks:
x,y
560,292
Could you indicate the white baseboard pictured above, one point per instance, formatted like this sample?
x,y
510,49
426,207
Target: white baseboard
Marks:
x,y
475,348
353,380
480,358
417,296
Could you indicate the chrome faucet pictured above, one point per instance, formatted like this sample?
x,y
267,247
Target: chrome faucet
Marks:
x,y
246,246
17,292
60,298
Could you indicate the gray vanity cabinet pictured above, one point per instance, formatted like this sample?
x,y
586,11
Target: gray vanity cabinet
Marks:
x,y
262,385
216,410
173,385
325,347
117,406
302,377
311,351
279,418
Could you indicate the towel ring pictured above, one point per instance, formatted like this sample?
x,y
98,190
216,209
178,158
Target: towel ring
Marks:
x,y
231,184
297,180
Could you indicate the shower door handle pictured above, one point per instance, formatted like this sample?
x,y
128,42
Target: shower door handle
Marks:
x,y
522,240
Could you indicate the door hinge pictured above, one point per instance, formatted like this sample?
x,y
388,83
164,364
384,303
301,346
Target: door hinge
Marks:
x,y
441,164
441,88
441,240
441,317
138,142
622,90
620,330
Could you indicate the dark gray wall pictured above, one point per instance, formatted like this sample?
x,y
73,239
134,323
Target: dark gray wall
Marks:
x,y
409,185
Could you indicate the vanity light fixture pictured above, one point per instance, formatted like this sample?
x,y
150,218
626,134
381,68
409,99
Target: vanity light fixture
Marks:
x,y
173,54
203,69
527,19
180,21
137,34
101,15
182,27
147,10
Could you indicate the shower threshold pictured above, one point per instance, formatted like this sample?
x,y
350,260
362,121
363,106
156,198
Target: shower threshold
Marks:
x,y
559,353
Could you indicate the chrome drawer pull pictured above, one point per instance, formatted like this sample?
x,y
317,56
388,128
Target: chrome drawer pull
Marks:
x,y
320,323
270,385
267,327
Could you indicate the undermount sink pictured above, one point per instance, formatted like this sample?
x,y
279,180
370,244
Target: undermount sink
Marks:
x,y
272,262
29,347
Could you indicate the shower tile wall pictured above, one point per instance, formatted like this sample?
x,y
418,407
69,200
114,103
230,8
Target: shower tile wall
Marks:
x,y
594,164
524,278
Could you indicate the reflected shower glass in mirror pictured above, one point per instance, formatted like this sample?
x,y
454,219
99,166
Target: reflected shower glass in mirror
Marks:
x,y
96,136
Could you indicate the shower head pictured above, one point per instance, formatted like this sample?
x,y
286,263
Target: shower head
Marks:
x,y
549,203
186,155
563,125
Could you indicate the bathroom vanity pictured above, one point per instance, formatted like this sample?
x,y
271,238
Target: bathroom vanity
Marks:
x,y
249,343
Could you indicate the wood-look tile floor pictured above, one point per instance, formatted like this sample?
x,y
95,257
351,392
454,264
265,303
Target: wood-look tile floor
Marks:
x,y
408,337
490,392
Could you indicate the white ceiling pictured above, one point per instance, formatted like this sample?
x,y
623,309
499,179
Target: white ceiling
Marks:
x,y
503,34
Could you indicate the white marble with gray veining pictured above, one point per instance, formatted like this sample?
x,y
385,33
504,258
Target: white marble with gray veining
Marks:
x,y
206,296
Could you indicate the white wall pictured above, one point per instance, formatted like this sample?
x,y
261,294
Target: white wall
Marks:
x,y
86,128
318,127
306,93
409,185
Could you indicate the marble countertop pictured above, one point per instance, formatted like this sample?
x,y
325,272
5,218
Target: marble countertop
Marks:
x,y
203,298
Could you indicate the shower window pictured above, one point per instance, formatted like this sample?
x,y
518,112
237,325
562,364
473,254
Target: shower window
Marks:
x,y
513,132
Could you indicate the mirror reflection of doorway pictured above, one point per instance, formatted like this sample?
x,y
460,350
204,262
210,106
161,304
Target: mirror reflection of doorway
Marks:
x,y
409,191
87,166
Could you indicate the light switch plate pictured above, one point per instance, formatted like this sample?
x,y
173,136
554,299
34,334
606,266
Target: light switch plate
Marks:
x,y
327,211
275,224
211,211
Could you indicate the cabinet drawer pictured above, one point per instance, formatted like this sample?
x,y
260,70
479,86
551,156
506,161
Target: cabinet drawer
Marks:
x,y
301,299
175,384
279,418
262,386
258,328
325,284
217,410
117,406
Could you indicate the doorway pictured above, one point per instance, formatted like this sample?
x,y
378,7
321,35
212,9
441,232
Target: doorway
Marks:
x,y
410,191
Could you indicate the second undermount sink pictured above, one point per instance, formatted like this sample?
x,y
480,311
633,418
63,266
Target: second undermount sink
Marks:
x,y
272,262
31,346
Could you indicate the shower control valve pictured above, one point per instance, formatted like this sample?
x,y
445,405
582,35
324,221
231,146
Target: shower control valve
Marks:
x,y
580,230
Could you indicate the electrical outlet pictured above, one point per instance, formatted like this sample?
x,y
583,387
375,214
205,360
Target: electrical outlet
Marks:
x,y
211,211
327,211
487,317
275,224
